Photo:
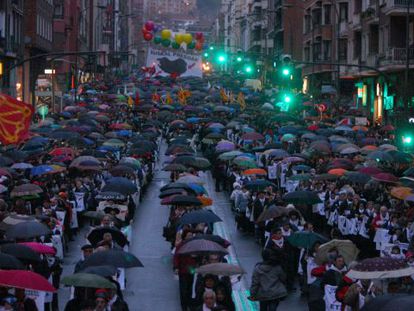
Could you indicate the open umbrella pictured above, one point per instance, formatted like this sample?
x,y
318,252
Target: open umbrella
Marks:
x,y
198,217
252,136
220,268
96,236
25,189
105,271
88,280
357,177
121,170
14,219
190,179
305,239
182,200
25,280
120,185
255,171
380,268
40,248
401,192
112,257
201,247
272,212
111,195
210,237
345,248
390,302
175,168
27,230
385,178
302,197
10,262
20,251
259,184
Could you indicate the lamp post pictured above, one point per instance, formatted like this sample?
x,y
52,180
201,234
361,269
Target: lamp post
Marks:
x,y
407,58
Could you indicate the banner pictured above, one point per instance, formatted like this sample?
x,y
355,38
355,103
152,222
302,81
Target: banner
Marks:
x,y
176,63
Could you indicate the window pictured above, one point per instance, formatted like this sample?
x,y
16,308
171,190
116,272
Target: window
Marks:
x,y
357,6
343,12
307,54
357,44
327,14
327,44
317,17
58,12
373,39
317,51
343,49
307,23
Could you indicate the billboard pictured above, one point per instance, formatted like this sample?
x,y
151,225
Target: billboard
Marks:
x,y
181,63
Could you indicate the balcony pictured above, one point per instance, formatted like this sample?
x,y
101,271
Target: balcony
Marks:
x,y
399,55
397,7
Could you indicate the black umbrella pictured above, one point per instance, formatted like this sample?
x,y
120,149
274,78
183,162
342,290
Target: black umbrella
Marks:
x,y
111,195
121,170
201,247
121,185
177,185
21,252
105,271
10,262
185,200
113,257
198,217
390,302
96,236
27,230
170,192
302,197
211,237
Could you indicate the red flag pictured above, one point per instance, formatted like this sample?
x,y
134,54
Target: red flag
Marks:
x,y
136,98
15,118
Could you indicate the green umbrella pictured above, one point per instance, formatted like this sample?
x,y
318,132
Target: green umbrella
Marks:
x,y
305,239
300,177
87,280
227,156
302,197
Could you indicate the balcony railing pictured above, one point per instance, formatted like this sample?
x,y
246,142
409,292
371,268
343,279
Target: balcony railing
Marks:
x,y
400,54
397,6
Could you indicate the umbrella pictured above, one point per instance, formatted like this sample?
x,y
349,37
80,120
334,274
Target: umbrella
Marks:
x,y
105,271
27,230
255,171
385,177
196,162
302,197
14,219
10,262
409,172
381,268
380,156
40,248
201,247
345,248
198,217
401,192
325,176
88,280
210,237
96,236
259,184
113,257
305,239
111,195
230,155
225,145
190,179
21,166
220,268
300,177
121,170
277,153
390,302
25,280
357,177
368,148
21,252
171,192
301,167
174,149
387,147
252,136
180,186
370,171
272,212
182,200
25,190
337,171
120,185
175,168
244,162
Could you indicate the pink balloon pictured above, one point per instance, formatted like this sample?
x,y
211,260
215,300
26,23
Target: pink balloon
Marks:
x,y
149,25
199,35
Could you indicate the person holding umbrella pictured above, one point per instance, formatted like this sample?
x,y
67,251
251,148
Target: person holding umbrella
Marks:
x,y
87,250
268,282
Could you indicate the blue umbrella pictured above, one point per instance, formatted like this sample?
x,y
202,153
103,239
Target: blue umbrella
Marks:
x,y
121,185
41,169
197,188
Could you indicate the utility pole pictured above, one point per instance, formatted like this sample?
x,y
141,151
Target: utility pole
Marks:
x,y
407,57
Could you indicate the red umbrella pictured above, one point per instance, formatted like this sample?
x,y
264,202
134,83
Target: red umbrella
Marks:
x,y
252,136
40,248
387,128
370,171
26,280
385,177
64,151
313,127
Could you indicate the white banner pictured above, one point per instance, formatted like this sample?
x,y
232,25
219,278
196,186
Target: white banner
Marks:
x,y
167,62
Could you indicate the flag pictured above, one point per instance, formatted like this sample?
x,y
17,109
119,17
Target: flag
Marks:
x,y
241,101
15,118
130,101
168,99
155,97
137,98
223,95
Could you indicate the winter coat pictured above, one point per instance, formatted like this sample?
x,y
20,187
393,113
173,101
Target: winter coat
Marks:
x,y
268,282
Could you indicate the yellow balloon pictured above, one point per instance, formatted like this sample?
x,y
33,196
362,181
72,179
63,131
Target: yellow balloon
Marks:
x,y
179,38
166,34
188,38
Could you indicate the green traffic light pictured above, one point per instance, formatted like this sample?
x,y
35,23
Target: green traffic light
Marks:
x,y
287,99
222,58
239,59
407,140
205,54
248,69
286,72
211,48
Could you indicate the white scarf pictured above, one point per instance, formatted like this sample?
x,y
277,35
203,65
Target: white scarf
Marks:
x,y
286,232
279,243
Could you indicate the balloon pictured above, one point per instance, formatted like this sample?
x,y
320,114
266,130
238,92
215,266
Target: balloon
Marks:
x,y
188,38
166,42
201,40
199,36
166,34
175,45
205,47
157,40
199,46
191,45
149,25
144,31
157,28
179,38
148,36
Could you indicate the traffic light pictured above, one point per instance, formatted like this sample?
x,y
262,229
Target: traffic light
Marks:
x,y
222,58
287,98
248,69
287,67
407,140
239,56
211,48
206,55
239,59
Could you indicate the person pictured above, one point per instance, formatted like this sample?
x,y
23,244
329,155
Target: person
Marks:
x,y
223,297
268,282
209,301
204,284
87,250
259,205
101,300
115,302
334,274
24,303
